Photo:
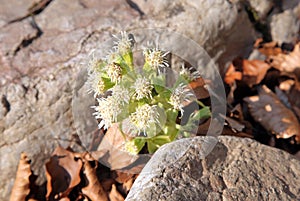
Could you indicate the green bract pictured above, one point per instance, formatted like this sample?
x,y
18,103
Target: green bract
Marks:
x,y
146,110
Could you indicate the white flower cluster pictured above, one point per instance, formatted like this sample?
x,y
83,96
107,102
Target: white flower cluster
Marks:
x,y
156,58
142,88
109,108
143,117
189,74
140,102
181,95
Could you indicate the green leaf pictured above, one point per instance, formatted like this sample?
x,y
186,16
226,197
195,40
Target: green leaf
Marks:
x,y
135,145
171,130
172,114
107,83
203,113
154,143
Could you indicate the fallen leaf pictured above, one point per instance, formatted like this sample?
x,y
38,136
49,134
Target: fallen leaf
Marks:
x,y
62,173
286,85
121,177
114,194
249,71
198,88
107,183
126,186
287,62
294,94
111,150
21,188
267,109
268,49
64,199
232,75
233,124
256,69
94,189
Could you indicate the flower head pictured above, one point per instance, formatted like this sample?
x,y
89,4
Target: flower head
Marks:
x,y
124,43
190,74
114,72
107,110
155,58
96,84
143,117
180,95
131,148
121,94
142,88
94,64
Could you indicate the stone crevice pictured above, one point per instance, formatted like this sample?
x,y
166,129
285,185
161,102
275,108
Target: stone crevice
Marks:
x,y
35,9
29,40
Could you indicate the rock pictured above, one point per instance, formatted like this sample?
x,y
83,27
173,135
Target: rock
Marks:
x,y
290,4
221,27
285,27
41,56
261,7
236,169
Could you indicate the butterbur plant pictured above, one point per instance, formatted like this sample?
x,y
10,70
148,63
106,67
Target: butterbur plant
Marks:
x,y
147,112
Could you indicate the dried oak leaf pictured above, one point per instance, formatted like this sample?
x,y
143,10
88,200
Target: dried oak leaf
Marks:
x,y
94,189
232,75
267,109
287,62
114,194
21,188
256,69
111,150
268,49
62,173
198,87
252,71
121,177
126,186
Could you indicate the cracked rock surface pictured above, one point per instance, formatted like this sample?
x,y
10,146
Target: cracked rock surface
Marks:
x,y
236,169
40,57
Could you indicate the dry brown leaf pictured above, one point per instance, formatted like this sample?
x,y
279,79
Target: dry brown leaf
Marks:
x,y
94,189
121,177
107,183
294,94
62,173
268,49
64,199
255,69
286,85
198,87
267,109
21,188
287,62
127,185
232,75
252,71
114,194
111,150
233,124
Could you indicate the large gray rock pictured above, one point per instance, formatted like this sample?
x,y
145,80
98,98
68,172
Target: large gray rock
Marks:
x,y
261,7
285,26
221,27
41,56
236,169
